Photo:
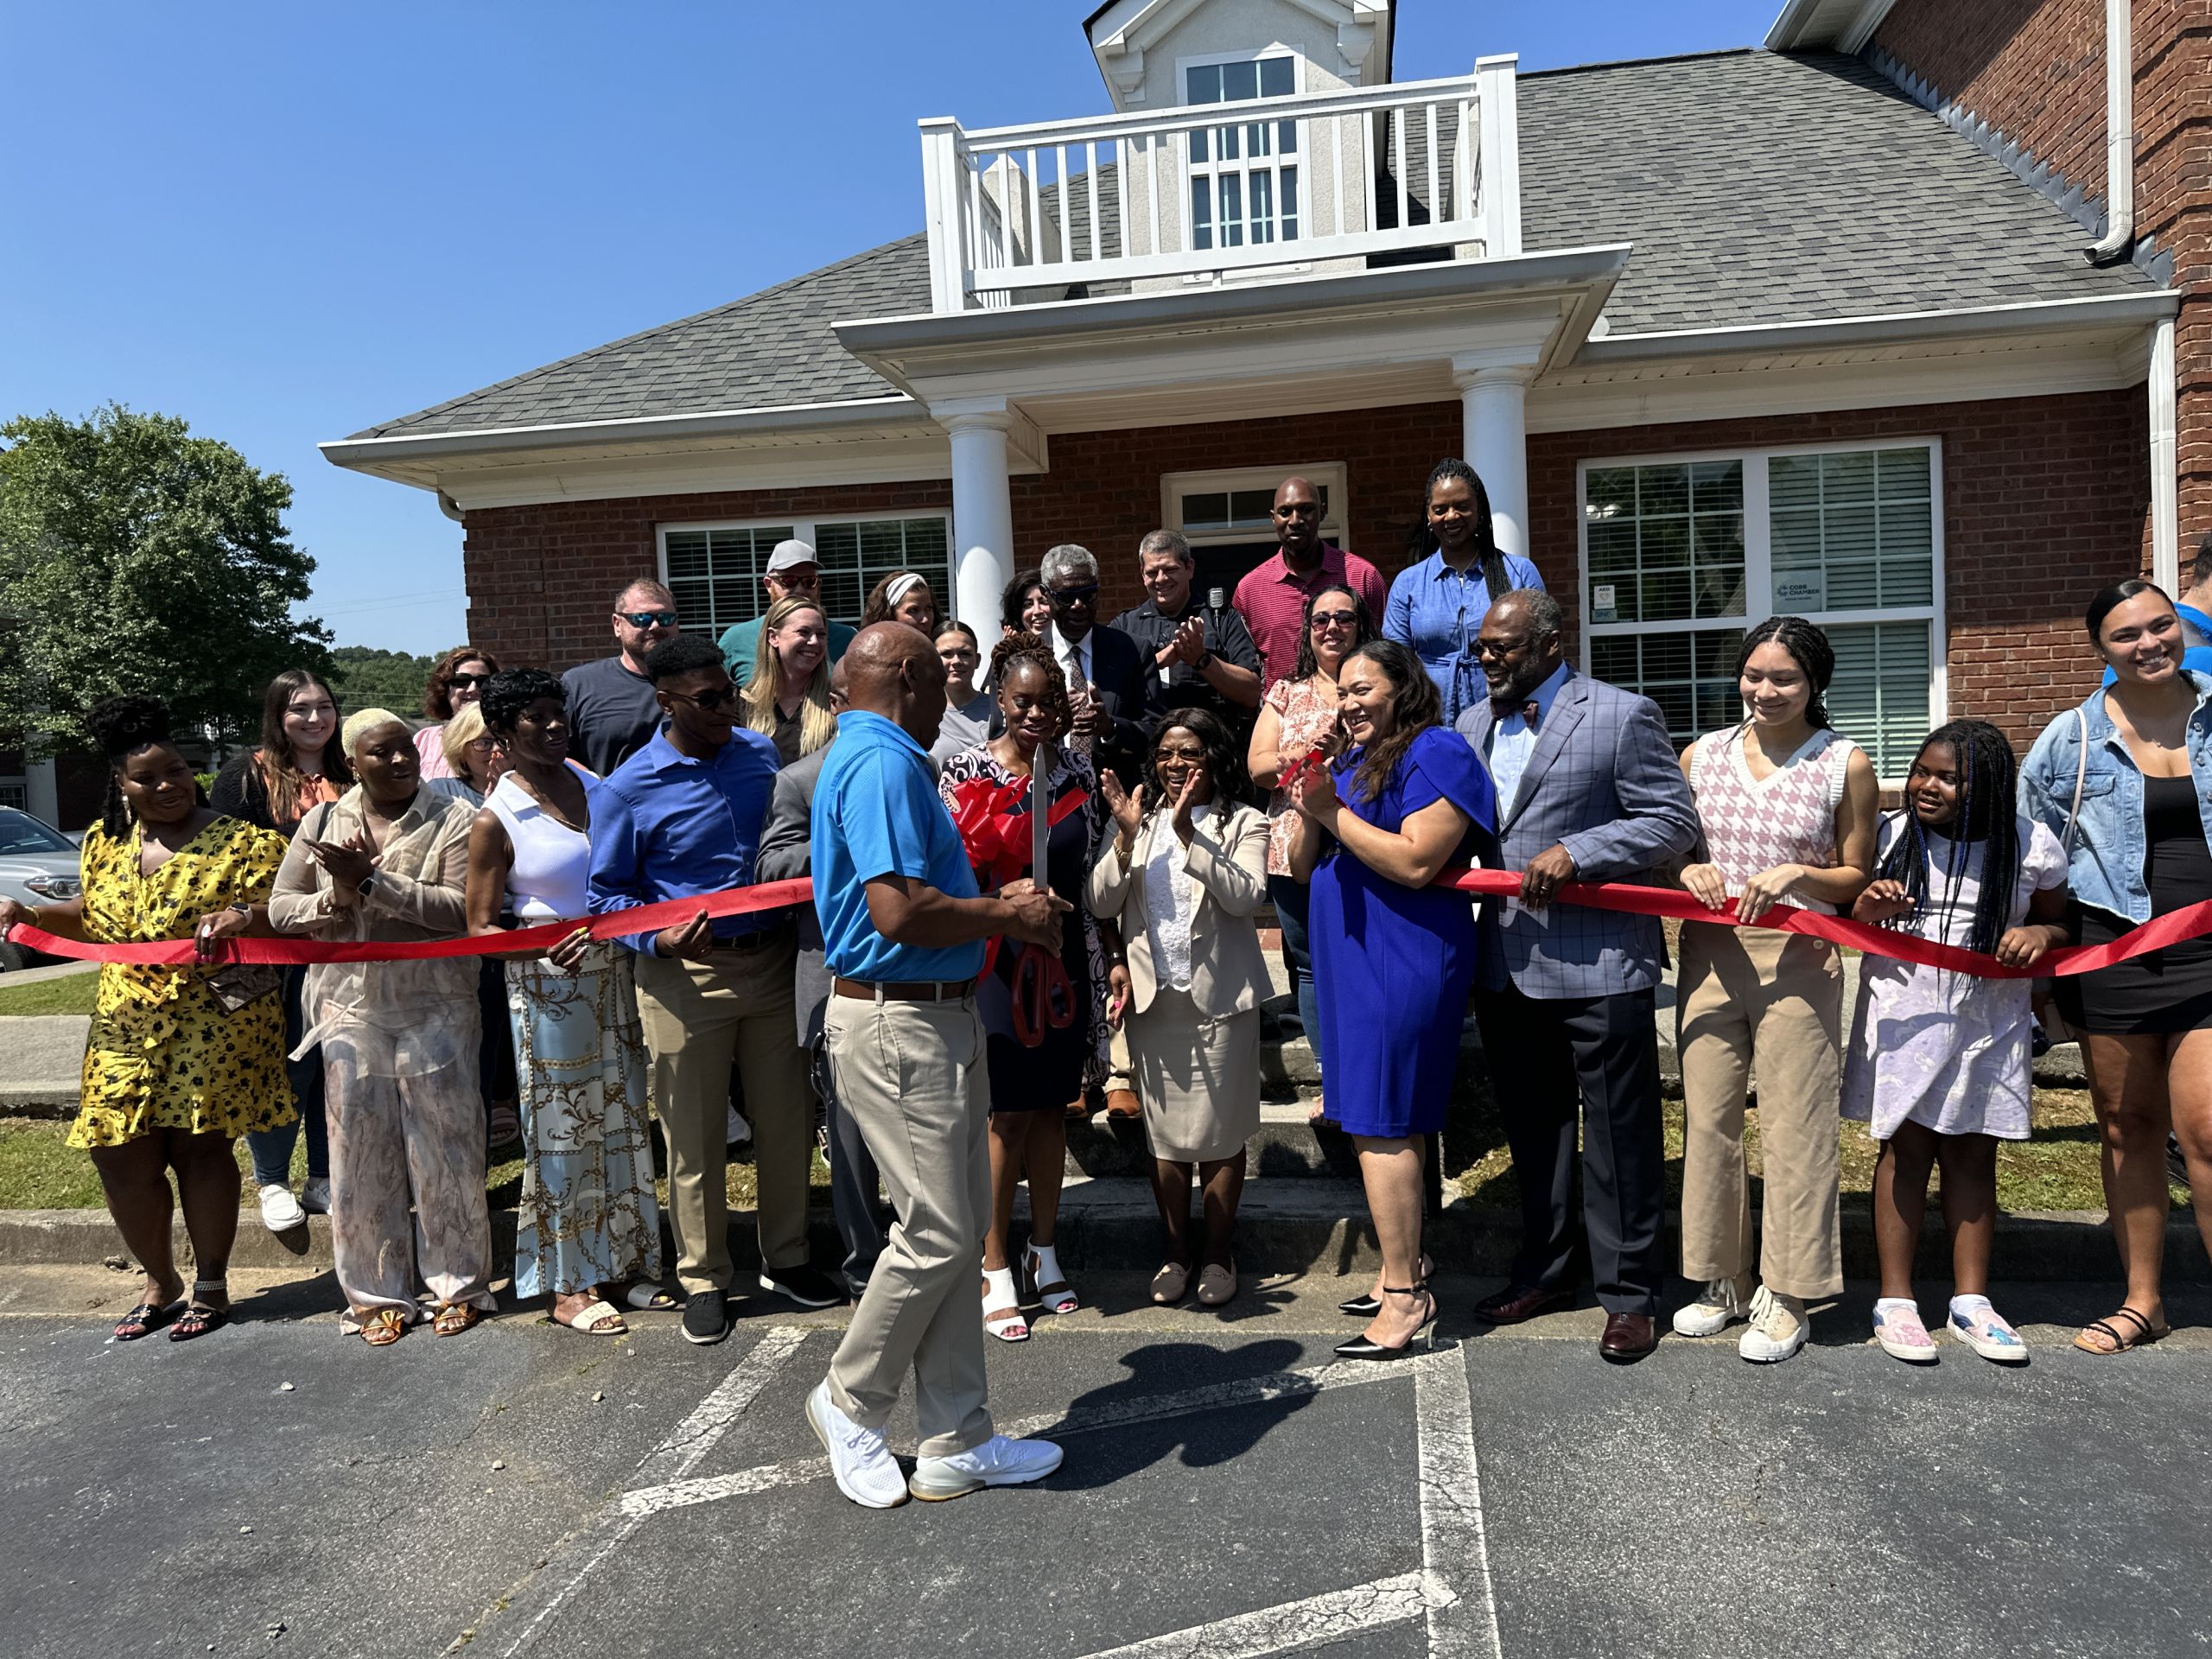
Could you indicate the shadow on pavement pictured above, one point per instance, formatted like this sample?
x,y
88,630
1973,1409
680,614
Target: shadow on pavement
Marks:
x,y
1205,1436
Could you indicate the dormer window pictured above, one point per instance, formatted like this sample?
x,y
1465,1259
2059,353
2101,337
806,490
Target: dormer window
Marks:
x,y
1244,178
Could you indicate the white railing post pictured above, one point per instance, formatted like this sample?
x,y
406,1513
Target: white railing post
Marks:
x,y
1500,160
944,210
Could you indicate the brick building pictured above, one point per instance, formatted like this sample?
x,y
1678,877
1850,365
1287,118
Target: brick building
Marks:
x,y
1814,328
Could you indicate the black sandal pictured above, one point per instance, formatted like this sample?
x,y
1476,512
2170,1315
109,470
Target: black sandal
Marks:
x,y
144,1320
201,1316
2147,1332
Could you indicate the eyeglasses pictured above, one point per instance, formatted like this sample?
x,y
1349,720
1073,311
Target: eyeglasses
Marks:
x,y
648,618
721,697
462,682
1072,595
1336,619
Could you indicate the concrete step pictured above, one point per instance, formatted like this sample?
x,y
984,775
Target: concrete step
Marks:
x,y
1286,1146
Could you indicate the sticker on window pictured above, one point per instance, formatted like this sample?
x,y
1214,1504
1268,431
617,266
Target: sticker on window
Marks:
x,y
1603,606
1797,590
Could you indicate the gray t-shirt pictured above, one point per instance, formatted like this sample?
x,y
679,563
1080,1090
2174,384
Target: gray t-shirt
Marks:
x,y
964,728
611,714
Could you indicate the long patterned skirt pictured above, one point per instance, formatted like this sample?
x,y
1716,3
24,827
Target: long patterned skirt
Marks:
x,y
588,1216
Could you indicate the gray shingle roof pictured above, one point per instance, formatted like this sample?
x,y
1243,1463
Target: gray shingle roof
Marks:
x,y
1757,188
1760,188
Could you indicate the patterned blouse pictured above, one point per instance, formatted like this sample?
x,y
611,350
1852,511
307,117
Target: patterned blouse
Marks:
x,y
1308,713
162,1053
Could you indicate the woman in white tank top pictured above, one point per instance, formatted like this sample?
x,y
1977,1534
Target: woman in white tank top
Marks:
x,y
589,1226
1790,808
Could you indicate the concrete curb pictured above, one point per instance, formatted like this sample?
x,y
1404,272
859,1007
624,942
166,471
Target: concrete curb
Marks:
x,y
1314,1225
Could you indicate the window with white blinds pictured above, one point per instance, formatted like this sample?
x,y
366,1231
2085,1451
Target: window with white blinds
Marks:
x,y
715,570
1680,554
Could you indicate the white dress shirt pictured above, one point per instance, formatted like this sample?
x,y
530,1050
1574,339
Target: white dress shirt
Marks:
x,y
1513,740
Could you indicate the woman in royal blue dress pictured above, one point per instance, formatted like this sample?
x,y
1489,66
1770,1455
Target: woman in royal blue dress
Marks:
x,y
1392,957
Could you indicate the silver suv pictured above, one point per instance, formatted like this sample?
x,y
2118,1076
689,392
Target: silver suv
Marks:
x,y
38,866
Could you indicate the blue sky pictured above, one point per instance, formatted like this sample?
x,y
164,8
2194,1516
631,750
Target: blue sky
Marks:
x,y
286,222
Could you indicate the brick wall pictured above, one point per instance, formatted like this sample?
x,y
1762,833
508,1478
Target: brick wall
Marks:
x,y
2035,69
2045,498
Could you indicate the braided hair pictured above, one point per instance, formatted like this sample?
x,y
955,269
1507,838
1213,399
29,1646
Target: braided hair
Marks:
x,y
1487,554
1988,814
1808,647
120,727
1016,649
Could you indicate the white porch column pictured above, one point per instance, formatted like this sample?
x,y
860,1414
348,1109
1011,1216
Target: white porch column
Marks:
x,y
1494,398
982,511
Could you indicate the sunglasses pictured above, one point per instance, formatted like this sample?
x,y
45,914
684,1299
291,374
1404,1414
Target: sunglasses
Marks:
x,y
721,697
1072,595
648,618
461,682
1336,619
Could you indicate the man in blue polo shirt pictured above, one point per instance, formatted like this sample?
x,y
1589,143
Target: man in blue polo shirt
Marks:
x,y
682,817
902,931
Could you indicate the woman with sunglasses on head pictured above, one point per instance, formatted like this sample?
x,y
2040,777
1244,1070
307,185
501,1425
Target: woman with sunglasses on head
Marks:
x,y
1298,718
2124,781
456,682
299,766
1394,955
788,697
1181,877
389,862
902,596
1044,1016
179,1061
1437,602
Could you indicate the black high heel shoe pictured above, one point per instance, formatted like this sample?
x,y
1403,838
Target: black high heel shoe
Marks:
x,y
1366,1307
1423,1333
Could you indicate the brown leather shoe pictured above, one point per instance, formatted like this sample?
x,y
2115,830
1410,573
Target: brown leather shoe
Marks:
x,y
1518,1302
1628,1337
1122,1102
1080,1108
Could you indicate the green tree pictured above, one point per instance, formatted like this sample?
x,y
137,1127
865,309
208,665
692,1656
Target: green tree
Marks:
x,y
367,678
134,557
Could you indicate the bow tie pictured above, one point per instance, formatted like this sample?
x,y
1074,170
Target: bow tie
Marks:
x,y
1502,709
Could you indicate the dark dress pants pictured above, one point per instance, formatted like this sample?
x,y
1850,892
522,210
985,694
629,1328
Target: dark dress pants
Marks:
x,y
1545,1056
852,1179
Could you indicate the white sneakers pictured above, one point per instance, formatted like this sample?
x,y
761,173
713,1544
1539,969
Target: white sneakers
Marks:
x,y
1778,1328
997,1462
860,1463
866,1471
280,1211
1718,1306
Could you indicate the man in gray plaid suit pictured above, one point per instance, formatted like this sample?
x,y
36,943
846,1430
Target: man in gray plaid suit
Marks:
x,y
1588,789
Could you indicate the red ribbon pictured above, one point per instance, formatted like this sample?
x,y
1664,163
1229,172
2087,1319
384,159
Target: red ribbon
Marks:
x,y
2193,921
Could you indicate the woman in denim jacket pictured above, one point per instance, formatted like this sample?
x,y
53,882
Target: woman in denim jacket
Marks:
x,y
2137,756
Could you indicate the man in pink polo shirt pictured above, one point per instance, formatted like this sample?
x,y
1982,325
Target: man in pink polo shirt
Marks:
x,y
1271,599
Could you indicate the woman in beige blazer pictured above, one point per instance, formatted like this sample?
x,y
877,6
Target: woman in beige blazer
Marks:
x,y
1184,878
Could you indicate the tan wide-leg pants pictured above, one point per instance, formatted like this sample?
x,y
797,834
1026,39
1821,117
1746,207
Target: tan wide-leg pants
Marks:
x,y
914,1077
1751,998
698,1016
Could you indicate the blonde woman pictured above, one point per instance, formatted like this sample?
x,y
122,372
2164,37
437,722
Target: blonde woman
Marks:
x,y
788,697
1182,874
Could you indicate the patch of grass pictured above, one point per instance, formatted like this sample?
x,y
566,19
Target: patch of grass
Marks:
x,y
2057,1169
71,994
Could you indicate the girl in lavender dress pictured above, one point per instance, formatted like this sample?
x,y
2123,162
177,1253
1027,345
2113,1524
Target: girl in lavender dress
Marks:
x,y
1938,1062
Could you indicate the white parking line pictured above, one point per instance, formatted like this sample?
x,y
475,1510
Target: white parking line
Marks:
x,y
1290,1625
1463,1613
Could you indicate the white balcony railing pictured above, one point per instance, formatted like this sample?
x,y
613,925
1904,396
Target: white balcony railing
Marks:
x,y
1020,214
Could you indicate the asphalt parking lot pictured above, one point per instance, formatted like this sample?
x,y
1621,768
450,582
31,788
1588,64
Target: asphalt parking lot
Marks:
x,y
1228,1490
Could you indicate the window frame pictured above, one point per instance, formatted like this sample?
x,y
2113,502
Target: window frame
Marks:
x,y
1212,167
1332,476
1758,548
803,527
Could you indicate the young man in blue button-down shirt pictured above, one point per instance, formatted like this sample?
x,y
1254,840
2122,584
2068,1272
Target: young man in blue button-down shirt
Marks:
x,y
902,928
682,817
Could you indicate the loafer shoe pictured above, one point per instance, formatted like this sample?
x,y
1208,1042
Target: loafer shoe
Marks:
x,y
315,1195
859,1462
1518,1302
1217,1285
280,1211
997,1462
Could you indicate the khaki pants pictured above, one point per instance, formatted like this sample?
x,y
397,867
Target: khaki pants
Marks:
x,y
914,1078
1752,998
698,1016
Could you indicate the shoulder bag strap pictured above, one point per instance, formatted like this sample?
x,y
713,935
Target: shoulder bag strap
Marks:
x,y
2080,777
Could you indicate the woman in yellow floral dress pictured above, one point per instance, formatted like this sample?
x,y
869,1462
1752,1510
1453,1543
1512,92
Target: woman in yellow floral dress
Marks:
x,y
180,1061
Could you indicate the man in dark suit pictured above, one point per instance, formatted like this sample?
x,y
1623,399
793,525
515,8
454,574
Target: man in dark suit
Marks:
x,y
1588,790
1104,668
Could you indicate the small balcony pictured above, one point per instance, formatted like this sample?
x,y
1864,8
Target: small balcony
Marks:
x,y
1270,186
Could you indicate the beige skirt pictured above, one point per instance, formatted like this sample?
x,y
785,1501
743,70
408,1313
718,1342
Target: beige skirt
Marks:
x,y
1200,1079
